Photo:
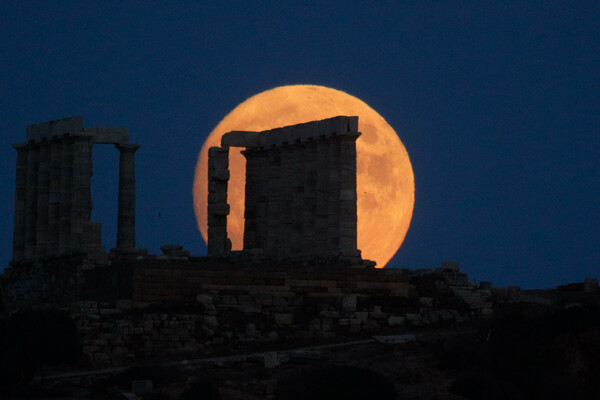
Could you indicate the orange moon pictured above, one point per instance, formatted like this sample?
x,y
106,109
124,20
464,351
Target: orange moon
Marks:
x,y
385,180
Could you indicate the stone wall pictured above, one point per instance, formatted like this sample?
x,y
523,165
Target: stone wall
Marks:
x,y
180,312
135,310
190,309
50,283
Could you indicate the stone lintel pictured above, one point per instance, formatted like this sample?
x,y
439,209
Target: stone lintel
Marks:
x,y
109,135
58,127
74,126
20,146
336,126
127,147
241,139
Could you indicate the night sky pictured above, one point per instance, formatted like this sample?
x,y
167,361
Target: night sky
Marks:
x,y
497,104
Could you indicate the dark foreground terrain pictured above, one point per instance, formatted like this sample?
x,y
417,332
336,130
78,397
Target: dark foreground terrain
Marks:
x,y
524,351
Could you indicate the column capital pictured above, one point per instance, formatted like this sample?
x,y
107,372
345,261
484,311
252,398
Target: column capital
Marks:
x,y
127,147
21,146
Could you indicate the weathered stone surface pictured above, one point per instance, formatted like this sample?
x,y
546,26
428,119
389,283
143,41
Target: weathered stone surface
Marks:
x,y
300,194
271,359
349,302
395,339
590,285
59,127
396,321
106,135
240,139
452,266
53,193
141,386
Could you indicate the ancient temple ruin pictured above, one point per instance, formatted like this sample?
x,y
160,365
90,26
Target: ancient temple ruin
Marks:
x,y
305,279
53,199
300,199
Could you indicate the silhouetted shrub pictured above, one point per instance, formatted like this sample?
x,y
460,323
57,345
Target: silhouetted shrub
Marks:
x,y
37,337
333,383
530,355
201,388
158,375
483,386
157,395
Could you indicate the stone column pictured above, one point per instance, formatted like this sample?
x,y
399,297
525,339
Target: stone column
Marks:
x,y
333,196
322,197
274,206
297,207
31,201
347,196
252,193
285,195
126,212
66,194
43,198
20,202
263,197
54,195
81,196
217,208
310,194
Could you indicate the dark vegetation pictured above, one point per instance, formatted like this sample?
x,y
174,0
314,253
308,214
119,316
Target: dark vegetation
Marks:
x,y
526,353
158,375
203,388
333,383
32,338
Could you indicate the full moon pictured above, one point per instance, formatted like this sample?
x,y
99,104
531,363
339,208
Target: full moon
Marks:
x,y
385,180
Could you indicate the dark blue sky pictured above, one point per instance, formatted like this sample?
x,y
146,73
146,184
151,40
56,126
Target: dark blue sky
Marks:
x,y
497,103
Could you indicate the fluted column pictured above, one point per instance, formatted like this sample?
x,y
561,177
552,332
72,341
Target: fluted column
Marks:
x,y
43,197
31,202
274,206
66,196
285,195
252,193
310,194
333,198
347,225
126,212
54,195
20,202
81,195
322,197
297,206
263,197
